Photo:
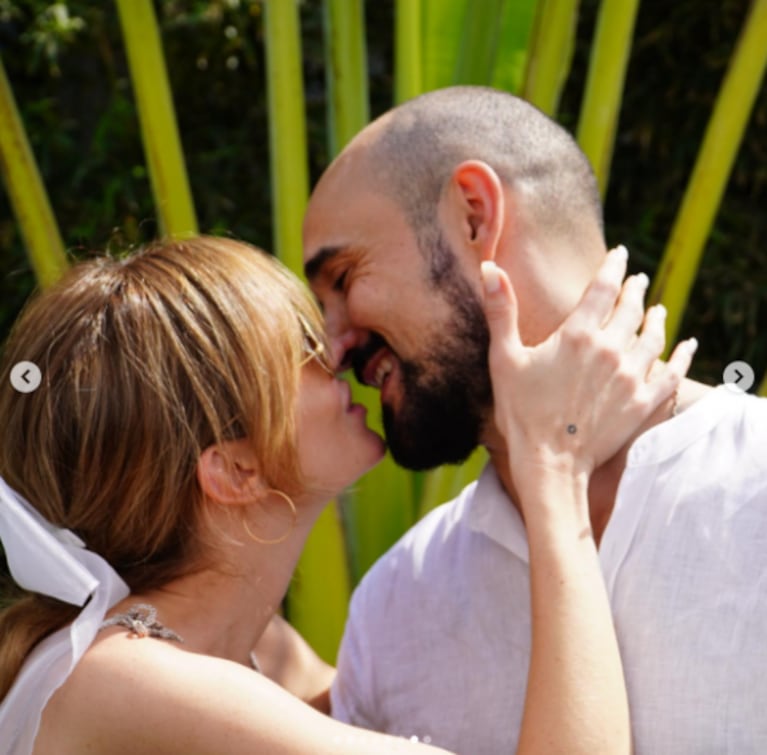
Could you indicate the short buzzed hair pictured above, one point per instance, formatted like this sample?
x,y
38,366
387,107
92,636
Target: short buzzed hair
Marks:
x,y
424,139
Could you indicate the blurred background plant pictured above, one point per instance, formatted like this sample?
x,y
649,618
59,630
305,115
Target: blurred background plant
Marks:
x,y
267,90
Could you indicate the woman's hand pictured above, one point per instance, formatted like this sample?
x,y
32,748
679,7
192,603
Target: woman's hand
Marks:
x,y
574,400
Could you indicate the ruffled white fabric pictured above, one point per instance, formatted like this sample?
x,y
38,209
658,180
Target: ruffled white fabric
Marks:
x,y
54,562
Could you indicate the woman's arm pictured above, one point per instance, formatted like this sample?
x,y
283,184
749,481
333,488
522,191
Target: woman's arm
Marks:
x,y
576,699
150,696
563,408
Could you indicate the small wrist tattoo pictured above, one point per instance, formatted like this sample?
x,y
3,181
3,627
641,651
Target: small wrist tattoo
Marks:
x,y
572,429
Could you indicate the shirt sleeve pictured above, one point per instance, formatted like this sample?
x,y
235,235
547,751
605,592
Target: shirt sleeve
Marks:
x,y
351,695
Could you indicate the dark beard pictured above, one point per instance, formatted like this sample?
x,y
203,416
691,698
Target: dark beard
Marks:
x,y
447,394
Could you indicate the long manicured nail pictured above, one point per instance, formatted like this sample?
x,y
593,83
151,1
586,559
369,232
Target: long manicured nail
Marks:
x,y
692,345
621,251
491,278
643,280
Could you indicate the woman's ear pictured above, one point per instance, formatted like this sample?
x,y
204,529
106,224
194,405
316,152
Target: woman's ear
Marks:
x,y
228,473
478,197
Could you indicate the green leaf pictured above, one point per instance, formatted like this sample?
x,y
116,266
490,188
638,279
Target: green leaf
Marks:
x,y
442,35
475,62
515,30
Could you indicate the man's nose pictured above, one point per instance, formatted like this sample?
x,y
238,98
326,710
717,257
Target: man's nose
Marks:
x,y
344,336
343,343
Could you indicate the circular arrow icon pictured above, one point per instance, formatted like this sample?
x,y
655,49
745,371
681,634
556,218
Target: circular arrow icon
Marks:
x,y
738,376
25,377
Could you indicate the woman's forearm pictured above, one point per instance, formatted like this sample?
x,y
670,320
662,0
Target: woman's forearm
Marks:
x,y
576,696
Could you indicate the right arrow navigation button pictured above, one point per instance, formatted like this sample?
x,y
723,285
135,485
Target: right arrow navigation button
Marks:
x,y
738,376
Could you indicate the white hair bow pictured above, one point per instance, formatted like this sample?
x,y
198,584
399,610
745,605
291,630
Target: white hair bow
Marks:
x,y
54,562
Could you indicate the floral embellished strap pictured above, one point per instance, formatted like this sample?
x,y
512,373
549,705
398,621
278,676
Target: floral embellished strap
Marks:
x,y
141,619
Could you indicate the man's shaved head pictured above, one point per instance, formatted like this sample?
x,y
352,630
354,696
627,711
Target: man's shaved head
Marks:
x,y
414,148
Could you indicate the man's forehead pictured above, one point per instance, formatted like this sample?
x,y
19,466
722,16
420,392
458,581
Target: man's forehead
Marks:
x,y
348,219
331,199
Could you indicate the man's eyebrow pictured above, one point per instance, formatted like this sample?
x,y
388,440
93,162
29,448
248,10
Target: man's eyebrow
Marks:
x,y
314,266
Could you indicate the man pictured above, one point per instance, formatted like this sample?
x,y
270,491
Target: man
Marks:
x,y
437,643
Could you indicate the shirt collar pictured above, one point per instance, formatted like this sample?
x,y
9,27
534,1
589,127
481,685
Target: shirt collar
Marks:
x,y
492,513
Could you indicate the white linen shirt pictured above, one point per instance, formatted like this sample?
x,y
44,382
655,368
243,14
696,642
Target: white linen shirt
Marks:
x,y
437,642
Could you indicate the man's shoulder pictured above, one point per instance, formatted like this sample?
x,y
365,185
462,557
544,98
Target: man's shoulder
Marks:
x,y
740,435
718,427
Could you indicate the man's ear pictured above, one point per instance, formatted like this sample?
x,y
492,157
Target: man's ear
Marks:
x,y
477,195
228,473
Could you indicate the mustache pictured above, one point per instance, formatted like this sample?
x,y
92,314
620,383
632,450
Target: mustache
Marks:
x,y
358,357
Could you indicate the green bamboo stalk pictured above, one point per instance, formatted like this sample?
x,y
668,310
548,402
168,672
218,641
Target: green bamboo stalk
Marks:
x,y
763,386
27,192
550,53
703,195
604,84
408,53
345,71
479,43
287,129
154,100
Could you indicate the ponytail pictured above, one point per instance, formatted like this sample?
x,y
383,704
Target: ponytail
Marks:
x,y
28,619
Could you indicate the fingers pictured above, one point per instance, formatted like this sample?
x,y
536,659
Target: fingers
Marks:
x,y
681,358
652,339
598,302
677,366
500,306
665,377
629,312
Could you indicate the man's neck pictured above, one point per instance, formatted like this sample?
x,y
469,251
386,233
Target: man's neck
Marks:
x,y
604,481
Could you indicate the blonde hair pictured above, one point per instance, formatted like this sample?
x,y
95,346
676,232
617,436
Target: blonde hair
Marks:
x,y
145,362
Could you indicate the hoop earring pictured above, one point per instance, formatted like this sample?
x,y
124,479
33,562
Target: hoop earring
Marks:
x,y
284,537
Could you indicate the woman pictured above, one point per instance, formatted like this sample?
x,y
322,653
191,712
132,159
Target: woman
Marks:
x,y
189,429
